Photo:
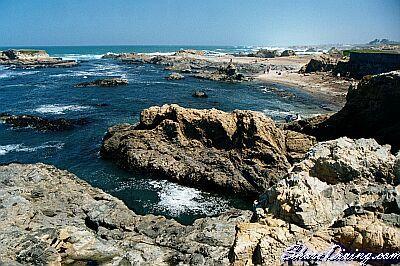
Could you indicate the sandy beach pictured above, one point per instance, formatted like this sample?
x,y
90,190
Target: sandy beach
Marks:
x,y
285,70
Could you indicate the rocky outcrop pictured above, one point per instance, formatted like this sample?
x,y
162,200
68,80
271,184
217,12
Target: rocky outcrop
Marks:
x,y
32,59
195,64
322,64
188,52
288,53
364,62
107,82
200,94
40,123
175,76
264,53
50,217
344,192
240,152
371,111
227,73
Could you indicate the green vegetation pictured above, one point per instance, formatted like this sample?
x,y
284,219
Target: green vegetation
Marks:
x,y
31,52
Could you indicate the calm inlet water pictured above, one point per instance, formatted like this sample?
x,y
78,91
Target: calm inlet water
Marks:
x,y
50,93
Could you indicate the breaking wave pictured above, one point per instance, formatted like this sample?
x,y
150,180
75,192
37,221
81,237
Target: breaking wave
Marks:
x,y
4,149
59,109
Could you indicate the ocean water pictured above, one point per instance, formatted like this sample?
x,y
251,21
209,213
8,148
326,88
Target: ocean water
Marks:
x,y
51,93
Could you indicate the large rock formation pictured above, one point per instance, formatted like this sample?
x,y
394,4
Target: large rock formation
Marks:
x,y
50,217
288,53
371,111
106,82
32,59
239,152
344,192
40,123
265,53
322,64
368,62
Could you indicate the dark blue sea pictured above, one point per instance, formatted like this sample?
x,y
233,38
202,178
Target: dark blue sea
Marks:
x,y
51,93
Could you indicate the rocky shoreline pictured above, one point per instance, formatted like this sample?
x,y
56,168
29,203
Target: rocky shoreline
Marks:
x,y
344,191
32,59
332,179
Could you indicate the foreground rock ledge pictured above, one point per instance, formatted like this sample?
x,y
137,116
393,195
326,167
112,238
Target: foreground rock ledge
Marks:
x,y
239,152
343,192
50,217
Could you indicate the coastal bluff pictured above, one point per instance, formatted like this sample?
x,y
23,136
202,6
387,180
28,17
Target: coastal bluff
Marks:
x,y
371,111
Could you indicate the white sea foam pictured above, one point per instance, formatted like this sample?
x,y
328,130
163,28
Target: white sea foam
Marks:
x,y
4,149
59,109
5,73
176,199
158,53
79,56
107,70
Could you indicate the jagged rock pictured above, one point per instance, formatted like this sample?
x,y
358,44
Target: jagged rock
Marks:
x,y
50,217
200,94
107,82
288,53
359,213
239,152
188,52
175,76
307,126
344,160
297,144
334,176
371,111
318,65
42,124
32,59
264,53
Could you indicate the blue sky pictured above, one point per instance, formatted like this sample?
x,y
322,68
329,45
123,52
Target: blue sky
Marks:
x,y
201,22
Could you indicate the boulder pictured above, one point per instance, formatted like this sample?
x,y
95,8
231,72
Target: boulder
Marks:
x,y
321,64
175,76
240,152
50,217
288,53
107,82
40,123
200,94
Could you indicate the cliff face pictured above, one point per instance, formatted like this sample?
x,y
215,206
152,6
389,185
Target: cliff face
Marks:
x,y
368,63
240,152
371,111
